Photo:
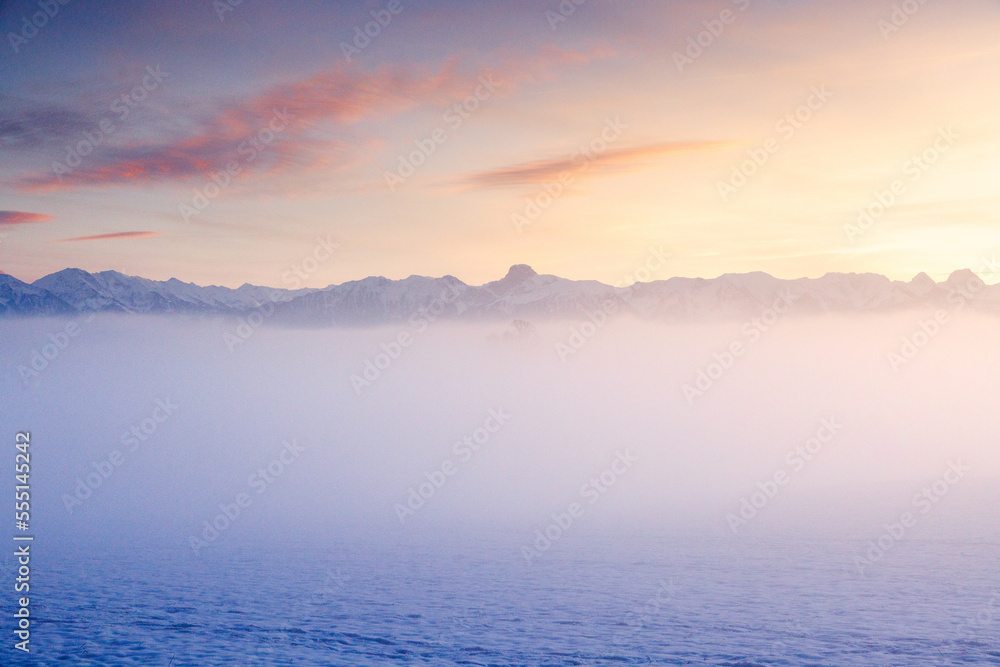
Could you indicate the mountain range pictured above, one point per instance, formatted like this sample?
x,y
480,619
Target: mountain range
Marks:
x,y
522,293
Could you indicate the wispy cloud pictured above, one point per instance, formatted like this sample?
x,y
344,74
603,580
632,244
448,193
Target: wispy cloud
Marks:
x,y
614,160
26,126
114,235
21,217
319,106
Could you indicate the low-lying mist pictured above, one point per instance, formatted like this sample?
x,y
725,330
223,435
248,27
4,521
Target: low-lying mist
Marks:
x,y
150,426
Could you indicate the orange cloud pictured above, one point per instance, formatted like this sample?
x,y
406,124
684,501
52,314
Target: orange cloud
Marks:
x,y
114,235
340,97
618,159
21,217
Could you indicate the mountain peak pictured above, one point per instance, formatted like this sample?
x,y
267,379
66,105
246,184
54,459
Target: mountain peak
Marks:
x,y
516,276
68,273
963,276
923,282
520,272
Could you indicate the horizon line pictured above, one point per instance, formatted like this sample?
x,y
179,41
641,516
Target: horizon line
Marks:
x,y
933,277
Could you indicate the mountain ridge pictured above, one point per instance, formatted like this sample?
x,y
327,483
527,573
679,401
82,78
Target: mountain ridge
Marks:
x,y
522,292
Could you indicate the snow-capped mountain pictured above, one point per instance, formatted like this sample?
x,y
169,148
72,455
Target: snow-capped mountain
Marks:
x,y
521,293
110,291
20,298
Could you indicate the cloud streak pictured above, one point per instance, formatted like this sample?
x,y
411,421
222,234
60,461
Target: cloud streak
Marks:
x,y
318,105
614,160
28,126
114,235
22,217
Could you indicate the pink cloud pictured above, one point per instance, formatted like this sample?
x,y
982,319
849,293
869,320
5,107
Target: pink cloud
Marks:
x,y
21,217
618,159
114,235
338,98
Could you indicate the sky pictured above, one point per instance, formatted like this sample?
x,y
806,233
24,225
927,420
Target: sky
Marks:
x,y
223,143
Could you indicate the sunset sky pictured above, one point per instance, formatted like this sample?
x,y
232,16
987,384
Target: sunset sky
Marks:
x,y
314,134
